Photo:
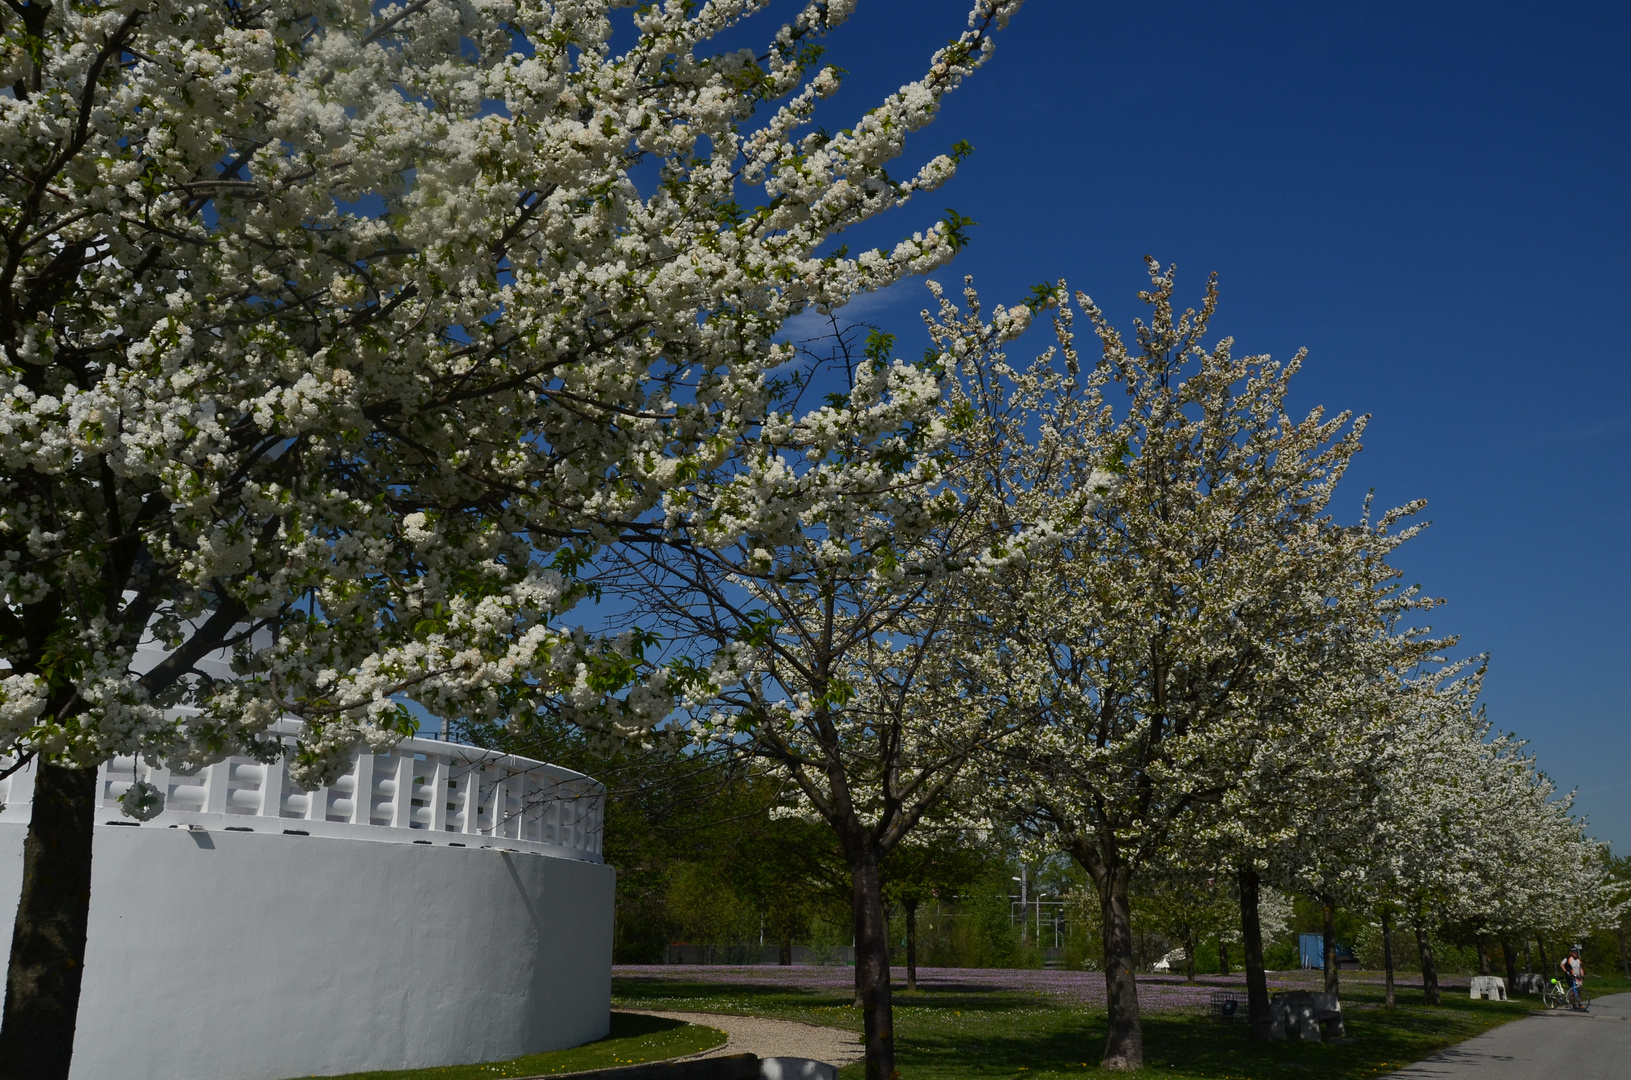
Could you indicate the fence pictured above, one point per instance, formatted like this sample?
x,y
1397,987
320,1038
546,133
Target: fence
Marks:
x,y
422,791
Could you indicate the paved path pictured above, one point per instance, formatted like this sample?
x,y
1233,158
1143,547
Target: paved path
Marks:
x,y
773,1038
1595,1045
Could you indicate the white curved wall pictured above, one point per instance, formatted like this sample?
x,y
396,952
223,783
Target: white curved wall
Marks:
x,y
259,955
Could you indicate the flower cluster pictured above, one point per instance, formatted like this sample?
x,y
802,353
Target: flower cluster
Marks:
x,y
336,340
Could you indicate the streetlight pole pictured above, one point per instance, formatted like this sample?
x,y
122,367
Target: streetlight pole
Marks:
x,y
1024,904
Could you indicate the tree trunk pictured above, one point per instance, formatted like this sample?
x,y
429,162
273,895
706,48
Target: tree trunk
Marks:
x,y
1328,909
784,956
1545,962
1510,956
1332,980
1124,1049
911,944
1251,949
48,942
1429,973
1189,958
872,965
1483,955
1223,957
1387,954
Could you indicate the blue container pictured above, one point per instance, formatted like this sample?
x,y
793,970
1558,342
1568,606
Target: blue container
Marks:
x,y
1311,950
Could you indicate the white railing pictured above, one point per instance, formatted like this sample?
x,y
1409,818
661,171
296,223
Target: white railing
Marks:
x,y
422,791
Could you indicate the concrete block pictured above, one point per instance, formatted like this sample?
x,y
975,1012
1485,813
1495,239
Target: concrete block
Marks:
x,y
1301,1019
1328,1013
1488,988
1281,1024
1302,1014
795,1068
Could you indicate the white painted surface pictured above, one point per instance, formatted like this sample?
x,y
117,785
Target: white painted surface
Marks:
x,y
421,789
258,955
1488,988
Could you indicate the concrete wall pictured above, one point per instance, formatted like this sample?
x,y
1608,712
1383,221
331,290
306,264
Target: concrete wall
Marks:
x,y
219,955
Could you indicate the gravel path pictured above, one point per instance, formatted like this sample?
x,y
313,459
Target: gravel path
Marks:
x,y
772,1038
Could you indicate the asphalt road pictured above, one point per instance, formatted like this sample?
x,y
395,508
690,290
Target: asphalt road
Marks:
x,y
1595,1045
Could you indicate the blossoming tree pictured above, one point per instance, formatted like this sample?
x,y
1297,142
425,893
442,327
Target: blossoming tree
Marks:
x,y
1209,583
817,585
334,339
1466,832
1305,805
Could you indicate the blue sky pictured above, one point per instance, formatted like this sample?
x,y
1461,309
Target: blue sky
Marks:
x,y
1433,199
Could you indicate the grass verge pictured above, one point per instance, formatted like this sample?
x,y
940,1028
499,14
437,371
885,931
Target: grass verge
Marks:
x,y
985,1035
1614,983
634,1039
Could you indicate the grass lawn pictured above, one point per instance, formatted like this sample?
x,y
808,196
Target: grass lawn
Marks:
x,y
974,1031
633,1039
1611,984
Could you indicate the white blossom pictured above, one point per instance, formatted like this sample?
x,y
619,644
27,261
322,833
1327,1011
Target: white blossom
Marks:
x,y
337,338
1188,622
142,801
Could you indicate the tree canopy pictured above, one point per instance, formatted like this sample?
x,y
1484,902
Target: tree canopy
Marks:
x,y
348,352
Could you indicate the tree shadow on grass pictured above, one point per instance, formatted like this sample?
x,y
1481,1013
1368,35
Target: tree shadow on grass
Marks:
x,y
1044,1043
1171,1044
982,1053
638,987
966,1001
670,993
632,1025
1377,1043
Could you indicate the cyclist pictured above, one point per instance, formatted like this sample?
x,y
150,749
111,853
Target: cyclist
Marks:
x,y
1574,975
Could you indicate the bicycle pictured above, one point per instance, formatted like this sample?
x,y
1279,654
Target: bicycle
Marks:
x,y
1556,996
